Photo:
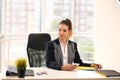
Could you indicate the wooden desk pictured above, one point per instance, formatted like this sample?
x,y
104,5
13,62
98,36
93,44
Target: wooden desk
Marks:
x,y
60,75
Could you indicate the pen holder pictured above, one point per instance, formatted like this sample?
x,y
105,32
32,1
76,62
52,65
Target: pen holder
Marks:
x,y
21,73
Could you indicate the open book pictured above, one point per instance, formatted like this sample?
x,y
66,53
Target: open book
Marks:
x,y
12,71
109,73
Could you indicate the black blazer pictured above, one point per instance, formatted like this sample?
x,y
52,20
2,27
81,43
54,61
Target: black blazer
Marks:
x,y
54,57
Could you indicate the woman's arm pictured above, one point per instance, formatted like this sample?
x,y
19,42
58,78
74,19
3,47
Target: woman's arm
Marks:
x,y
50,57
78,59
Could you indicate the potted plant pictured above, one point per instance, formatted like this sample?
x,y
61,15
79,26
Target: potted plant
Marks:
x,y
21,64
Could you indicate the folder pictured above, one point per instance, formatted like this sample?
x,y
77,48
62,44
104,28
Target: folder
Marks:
x,y
85,68
108,73
12,71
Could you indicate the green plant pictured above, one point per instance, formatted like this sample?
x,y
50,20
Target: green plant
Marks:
x,y
21,64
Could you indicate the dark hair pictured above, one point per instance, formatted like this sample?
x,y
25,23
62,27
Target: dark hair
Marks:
x,y
68,23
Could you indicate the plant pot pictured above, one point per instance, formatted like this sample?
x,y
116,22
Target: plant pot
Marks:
x,y
21,73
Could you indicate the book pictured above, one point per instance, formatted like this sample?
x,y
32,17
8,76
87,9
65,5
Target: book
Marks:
x,y
86,68
12,71
108,73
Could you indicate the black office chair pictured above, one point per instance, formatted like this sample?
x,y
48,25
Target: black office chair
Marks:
x,y
36,49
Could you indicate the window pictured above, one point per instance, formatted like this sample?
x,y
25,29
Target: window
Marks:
x,y
22,17
84,29
0,30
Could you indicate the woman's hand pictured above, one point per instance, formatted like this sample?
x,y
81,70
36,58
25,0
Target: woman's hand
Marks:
x,y
68,67
97,66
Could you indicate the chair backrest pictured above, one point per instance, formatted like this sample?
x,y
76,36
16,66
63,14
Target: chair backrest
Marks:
x,y
36,48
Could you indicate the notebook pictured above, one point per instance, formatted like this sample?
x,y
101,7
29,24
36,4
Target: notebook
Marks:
x,y
109,73
12,71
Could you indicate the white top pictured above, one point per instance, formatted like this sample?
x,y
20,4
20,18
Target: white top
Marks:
x,y
64,49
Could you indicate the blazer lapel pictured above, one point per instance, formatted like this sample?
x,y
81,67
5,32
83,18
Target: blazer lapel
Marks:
x,y
59,51
71,54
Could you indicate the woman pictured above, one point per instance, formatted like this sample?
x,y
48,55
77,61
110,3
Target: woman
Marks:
x,y
61,53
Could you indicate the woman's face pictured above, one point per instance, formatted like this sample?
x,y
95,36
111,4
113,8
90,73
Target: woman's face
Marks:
x,y
63,32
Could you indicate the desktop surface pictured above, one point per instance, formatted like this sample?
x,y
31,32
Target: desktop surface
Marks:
x,y
44,73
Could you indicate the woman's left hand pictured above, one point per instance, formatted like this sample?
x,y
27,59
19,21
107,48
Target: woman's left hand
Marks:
x,y
97,66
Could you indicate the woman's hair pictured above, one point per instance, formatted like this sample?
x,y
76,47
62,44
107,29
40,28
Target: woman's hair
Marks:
x,y
68,23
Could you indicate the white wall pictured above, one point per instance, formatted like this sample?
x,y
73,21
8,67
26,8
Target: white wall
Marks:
x,y
107,32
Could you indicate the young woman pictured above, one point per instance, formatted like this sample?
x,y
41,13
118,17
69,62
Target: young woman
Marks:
x,y
61,53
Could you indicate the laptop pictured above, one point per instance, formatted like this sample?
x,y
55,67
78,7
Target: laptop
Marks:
x,y
109,73
12,71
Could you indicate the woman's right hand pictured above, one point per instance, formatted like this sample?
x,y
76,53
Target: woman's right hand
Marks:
x,y
68,67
